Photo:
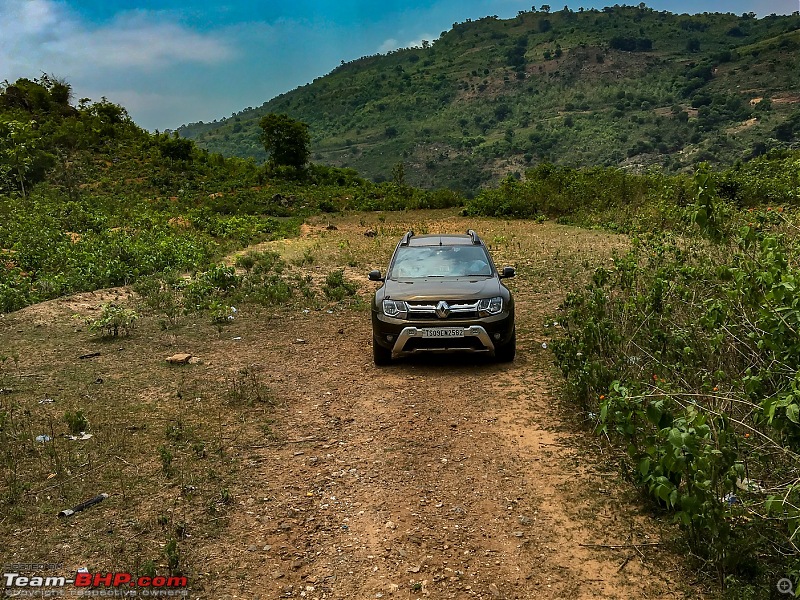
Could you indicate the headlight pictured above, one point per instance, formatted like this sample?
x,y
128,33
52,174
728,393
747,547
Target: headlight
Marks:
x,y
394,308
490,306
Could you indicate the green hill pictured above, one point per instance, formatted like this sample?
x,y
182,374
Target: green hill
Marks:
x,y
625,86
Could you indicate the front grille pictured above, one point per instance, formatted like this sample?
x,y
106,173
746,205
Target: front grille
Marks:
x,y
455,310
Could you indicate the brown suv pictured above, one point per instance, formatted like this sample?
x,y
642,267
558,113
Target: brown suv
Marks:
x,y
442,293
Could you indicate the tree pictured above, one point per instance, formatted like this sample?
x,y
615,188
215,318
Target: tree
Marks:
x,y
18,153
175,147
399,175
286,140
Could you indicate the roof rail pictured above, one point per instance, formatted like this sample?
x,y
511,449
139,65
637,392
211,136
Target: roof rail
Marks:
x,y
406,238
474,236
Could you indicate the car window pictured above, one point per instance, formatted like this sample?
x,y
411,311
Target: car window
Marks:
x,y
440,261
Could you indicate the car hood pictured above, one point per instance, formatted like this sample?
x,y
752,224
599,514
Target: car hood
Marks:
x,y
436,288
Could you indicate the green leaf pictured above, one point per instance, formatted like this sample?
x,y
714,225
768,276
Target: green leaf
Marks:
x,y
793,413
644,467
653,414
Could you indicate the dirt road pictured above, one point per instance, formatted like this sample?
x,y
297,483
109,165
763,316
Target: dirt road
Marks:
x,y
433,478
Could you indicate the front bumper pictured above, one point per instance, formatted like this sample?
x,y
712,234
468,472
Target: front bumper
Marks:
x,y
404,338
457,344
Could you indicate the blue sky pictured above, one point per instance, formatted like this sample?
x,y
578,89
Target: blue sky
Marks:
x,y
174,61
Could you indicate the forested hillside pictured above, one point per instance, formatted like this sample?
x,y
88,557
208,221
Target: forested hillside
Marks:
x,y
89,200
625,86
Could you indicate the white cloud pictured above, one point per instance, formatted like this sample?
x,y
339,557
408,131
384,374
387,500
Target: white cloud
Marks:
x,y
393,44
387,45
45,36
417,43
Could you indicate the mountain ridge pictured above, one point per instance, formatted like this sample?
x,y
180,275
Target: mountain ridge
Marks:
x,y
622,86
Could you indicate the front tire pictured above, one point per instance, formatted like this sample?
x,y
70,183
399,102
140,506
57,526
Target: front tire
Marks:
x,y
380,355
508,351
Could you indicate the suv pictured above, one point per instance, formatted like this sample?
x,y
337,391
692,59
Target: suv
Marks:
x,y
442,293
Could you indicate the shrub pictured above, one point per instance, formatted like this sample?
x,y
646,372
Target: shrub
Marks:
x,y
336,287
114,321
687,354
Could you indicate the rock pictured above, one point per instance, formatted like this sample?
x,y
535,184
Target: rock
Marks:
x,y
278,575
390,525
495,591
524,520
296,564
332,228
252,548
179,359
370,233
267,548
519,534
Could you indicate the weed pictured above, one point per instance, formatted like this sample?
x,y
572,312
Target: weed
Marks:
x,y
166,458
306,259
114,320
76,422
245,388
162,294
148,569
337,288
221,314
178,433
172,554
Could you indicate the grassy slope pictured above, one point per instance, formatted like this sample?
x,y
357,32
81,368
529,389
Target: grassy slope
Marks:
x,y
460,113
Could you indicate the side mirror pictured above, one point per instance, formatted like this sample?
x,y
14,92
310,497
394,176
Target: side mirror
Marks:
x,y
508,272
375,276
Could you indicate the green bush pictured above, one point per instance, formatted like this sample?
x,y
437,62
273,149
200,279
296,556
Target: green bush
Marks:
x,y
337,287
114,321
687,354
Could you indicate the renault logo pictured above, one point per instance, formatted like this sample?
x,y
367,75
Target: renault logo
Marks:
x,y
442,310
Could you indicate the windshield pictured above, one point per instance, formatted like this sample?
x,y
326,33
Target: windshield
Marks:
x,y
440,261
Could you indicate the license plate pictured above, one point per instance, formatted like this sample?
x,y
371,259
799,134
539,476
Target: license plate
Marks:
x,y
443,332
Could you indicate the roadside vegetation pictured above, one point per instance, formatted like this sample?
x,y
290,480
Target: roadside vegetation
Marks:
x,y
684,354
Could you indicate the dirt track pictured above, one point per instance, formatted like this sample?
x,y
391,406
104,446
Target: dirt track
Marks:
x,y
446,479
440,477
435,478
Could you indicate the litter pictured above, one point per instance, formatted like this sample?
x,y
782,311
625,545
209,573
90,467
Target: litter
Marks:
x,y
82,506
748,485
43,438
